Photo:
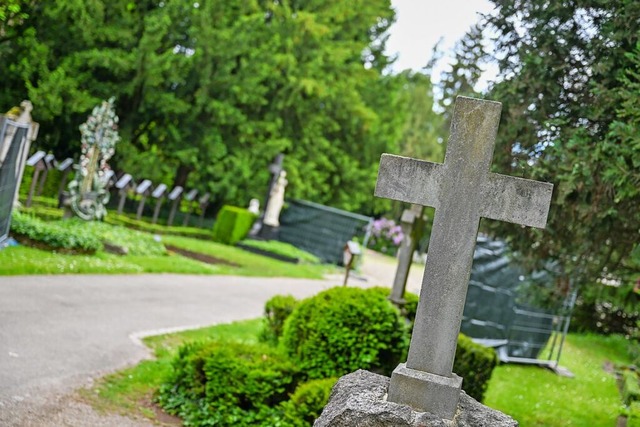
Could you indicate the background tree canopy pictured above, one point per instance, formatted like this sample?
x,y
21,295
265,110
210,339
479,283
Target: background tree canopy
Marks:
x,y
208,93
569,82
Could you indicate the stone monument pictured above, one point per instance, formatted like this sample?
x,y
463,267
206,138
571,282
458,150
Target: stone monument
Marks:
x,y
88,195
271,220
274,169
412,224
462,190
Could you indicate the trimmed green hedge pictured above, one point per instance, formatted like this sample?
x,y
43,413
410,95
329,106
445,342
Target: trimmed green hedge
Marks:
x,y
633,419
307,402
276,312
344,329
228,384
55,235
232,224
475,364
630,387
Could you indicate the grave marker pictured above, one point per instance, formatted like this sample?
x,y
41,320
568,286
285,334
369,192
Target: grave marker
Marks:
x,y
203,203
189,197
175,197
274,168
124,184
37,161
462,190
144,190
412,225
158,194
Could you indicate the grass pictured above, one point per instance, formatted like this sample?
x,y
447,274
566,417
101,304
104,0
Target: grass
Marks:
x,y
249,264
534,396
130,391
281,248
144,257
537,397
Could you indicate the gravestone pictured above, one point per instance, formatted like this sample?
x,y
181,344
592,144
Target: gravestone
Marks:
x,y
65,168
462,190
40,164
88,195
271,221
174,196
144,190
189,197
203,203
17,131
412,225
274,169
123,185
158,194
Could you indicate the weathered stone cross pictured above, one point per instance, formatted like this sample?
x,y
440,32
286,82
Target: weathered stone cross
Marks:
x,y
461,190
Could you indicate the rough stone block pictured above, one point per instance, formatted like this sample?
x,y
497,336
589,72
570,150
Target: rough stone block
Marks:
x,y
359,400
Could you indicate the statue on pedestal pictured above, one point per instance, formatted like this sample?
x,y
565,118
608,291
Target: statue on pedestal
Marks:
x,y
276,201
88,195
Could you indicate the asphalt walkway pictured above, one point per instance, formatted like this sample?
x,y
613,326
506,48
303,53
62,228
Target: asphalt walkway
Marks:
x,y
59,332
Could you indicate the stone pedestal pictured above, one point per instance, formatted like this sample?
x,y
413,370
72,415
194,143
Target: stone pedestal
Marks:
x,y
359,399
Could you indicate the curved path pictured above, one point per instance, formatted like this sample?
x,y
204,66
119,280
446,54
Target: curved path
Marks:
x,y
59,332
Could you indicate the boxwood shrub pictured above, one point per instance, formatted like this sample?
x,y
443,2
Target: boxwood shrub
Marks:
x,y
232,224
474,363
228,384
344,329
276,311
307,402
54,235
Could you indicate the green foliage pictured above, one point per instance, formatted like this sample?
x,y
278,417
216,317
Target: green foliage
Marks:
x,y
344,329
411,306
227,384
630,387
475,363
282,248
302,78
68,235
307,402
232,224
276,311
569,84
135,242
633,419
607,310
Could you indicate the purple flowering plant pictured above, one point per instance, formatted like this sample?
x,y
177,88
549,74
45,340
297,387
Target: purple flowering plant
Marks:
x,y
386,236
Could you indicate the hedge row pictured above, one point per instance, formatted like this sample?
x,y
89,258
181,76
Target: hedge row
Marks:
x,y
54,235
317,340
232,224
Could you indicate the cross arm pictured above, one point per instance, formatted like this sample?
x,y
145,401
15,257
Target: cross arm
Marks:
x,y
409,180
516,200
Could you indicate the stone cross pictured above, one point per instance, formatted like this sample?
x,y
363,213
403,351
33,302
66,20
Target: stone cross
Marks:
x,y
412,225
462,190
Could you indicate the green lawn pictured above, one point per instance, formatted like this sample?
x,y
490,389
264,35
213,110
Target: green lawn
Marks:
x,y
538,397
130,391
534,396
20,260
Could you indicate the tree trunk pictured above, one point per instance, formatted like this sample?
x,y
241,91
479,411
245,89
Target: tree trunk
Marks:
x,y
182,174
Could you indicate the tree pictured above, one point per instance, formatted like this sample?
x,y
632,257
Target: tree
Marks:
x,y
569,86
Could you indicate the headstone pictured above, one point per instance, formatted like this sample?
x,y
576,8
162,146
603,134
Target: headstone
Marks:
x,y
144,190
14,142
22,116
49,161
88,195
203,203
39,164
271,220
174,196
123,185
158,194
189,197
254,206
462,190
412,225
64,167
274,169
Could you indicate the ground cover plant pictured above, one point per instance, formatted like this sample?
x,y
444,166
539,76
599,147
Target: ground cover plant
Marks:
x,y
283,249
532,395
538,397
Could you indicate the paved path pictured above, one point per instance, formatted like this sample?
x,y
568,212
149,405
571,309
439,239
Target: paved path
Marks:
x,y
57,333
